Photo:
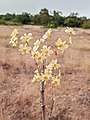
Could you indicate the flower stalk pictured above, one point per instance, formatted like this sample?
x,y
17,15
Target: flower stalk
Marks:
x,y
43,99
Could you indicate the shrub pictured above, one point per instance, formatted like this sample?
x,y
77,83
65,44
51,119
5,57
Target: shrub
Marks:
x,y
52,25
86,24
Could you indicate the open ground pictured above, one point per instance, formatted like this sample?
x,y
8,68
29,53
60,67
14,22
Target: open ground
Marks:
x,y
20,98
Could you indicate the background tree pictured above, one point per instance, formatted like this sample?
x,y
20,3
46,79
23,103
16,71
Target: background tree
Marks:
x,y
51,19
44,17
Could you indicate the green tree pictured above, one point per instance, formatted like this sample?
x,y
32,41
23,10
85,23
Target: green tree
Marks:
x,y
24,18
73,20
44,17
86,24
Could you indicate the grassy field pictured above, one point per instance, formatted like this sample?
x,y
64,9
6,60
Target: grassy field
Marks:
x,y
20,99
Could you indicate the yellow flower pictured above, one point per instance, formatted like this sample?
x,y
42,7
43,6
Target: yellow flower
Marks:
x,y
37,55
47,75
24,48
34,54
15,32
36,45
37,76
44,77
70,31
56,81
40,57
46,35
55,64
14,41
47,50
48,72
61,45
49,67
26,37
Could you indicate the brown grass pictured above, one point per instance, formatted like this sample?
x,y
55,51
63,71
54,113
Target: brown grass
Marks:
x,y
20,98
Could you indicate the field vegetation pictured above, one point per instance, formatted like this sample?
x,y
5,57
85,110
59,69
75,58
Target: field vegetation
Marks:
x,y
20,98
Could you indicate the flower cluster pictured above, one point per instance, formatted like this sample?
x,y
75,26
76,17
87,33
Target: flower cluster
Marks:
x,y
40,51
47,74
14,38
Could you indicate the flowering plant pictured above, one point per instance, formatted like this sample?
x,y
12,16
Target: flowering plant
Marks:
x,y
40,51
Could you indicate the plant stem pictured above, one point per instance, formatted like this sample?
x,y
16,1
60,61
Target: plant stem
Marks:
x,y
52,105
42,94
43,100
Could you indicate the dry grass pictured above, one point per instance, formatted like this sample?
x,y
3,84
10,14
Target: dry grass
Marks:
x,y
20,99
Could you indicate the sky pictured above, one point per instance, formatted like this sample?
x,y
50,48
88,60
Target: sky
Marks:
x,y
34,6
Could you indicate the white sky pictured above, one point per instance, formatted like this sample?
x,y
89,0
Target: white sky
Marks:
x,y
34,6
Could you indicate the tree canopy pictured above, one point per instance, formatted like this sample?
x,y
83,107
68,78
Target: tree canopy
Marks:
x,y
45,18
